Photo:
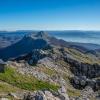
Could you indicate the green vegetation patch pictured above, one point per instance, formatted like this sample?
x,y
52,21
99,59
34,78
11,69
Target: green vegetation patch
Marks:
x,y
14,78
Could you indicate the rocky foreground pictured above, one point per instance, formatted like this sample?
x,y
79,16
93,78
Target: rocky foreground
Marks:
x,y
40,67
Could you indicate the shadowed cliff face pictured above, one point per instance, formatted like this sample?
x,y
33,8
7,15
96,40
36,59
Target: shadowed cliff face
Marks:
x,y
84,69
84,74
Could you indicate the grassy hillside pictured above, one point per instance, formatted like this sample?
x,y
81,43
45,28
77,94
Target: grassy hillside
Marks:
x,y
25,82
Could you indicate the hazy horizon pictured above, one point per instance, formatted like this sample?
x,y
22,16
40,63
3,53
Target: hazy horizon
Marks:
x,y
68,35
7,30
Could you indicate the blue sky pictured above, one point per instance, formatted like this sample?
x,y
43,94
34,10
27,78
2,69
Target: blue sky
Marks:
x,y
49,14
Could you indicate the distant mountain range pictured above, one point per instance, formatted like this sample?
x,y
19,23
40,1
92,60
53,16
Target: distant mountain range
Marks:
x,y
88,39
40,40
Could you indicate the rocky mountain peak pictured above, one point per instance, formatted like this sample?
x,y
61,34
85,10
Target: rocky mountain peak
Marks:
x,y
38,35
42,34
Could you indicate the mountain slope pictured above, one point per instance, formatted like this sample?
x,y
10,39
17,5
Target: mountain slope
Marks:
x,y
40,62
24,46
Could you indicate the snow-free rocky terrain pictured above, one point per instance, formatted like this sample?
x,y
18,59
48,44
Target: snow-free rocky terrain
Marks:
x,y
41,67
